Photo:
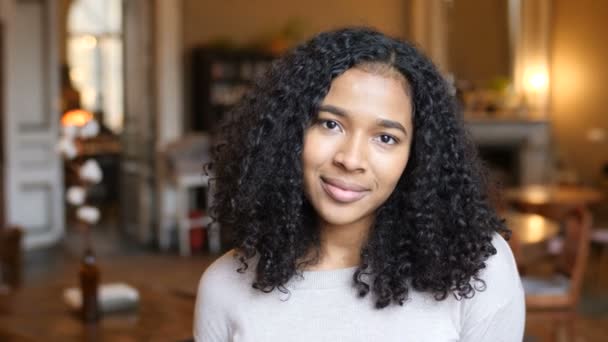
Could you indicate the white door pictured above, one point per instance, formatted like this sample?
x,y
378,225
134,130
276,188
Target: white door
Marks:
x,y
32,169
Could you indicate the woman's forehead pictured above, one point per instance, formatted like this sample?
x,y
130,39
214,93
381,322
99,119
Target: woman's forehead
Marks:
x,y
361,94
386,70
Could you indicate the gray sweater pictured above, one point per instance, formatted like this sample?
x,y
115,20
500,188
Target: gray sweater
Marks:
x,y
323,306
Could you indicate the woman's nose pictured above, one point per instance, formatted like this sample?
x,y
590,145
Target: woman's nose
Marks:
x,y
352,154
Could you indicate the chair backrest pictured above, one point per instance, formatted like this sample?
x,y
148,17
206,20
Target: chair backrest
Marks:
x,y
573,259
10,256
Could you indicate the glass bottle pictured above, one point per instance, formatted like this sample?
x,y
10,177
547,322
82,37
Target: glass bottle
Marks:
x,y
89,284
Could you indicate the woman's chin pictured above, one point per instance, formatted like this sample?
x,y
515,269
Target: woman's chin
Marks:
x,y
342,217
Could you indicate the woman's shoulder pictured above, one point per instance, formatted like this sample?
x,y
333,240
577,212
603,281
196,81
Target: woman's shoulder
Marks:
x,y
501,267
222,278
221,291
498,311
500,282
223,266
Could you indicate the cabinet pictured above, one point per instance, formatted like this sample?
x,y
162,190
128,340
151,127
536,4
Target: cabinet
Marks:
x,y
219,79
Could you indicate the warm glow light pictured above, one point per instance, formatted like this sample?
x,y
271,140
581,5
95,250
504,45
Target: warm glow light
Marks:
x,y
537,80
89,96
536,194
88,42
76,75
535,228
76,117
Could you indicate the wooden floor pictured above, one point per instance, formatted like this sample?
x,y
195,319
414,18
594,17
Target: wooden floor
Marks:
x,y
176,276
166,284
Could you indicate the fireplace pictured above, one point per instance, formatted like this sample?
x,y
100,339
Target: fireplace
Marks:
x,y
516,152
502,162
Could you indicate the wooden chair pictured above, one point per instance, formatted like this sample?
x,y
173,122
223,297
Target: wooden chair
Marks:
x,y
10,257
599,239
556,299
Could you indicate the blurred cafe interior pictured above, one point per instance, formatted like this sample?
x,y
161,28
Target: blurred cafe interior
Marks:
x,y
108,109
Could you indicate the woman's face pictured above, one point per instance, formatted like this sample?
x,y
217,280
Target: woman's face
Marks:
x,y
358,145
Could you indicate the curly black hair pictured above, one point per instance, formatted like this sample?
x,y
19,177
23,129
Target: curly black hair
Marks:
x,y
433,233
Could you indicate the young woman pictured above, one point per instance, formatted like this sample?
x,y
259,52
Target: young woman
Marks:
x,y
358,208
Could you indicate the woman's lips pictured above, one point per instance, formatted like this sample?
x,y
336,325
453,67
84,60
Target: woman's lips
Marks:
x,y
343,192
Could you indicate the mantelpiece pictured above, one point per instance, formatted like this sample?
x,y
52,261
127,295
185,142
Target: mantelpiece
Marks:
x,y
530,140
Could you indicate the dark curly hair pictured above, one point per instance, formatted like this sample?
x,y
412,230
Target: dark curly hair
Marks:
x,y
433,233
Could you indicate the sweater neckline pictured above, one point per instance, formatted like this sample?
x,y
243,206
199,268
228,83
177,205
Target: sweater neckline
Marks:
x,y
323,279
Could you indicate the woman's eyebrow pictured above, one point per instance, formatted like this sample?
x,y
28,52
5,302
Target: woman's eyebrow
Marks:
x,y
333,109
380,122
391,124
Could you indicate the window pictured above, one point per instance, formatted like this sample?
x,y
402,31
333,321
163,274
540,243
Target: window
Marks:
x,y
95,58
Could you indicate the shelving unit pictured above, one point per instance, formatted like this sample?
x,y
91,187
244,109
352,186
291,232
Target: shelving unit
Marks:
x,y
220,78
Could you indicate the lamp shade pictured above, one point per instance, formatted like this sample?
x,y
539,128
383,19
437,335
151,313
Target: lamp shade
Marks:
x,y
76,117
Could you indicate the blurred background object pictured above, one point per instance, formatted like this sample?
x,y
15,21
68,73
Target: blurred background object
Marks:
x,y
11,264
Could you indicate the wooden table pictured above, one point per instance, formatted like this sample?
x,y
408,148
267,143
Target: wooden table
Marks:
x,y
530,228
39,314
557,202
552,200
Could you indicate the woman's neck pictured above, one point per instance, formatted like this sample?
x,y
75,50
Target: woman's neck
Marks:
x,y
340,246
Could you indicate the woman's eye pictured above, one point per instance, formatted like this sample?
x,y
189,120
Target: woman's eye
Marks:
x,y
330,124
387,139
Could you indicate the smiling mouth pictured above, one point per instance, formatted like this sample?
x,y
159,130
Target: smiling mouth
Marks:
x,y
343,192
